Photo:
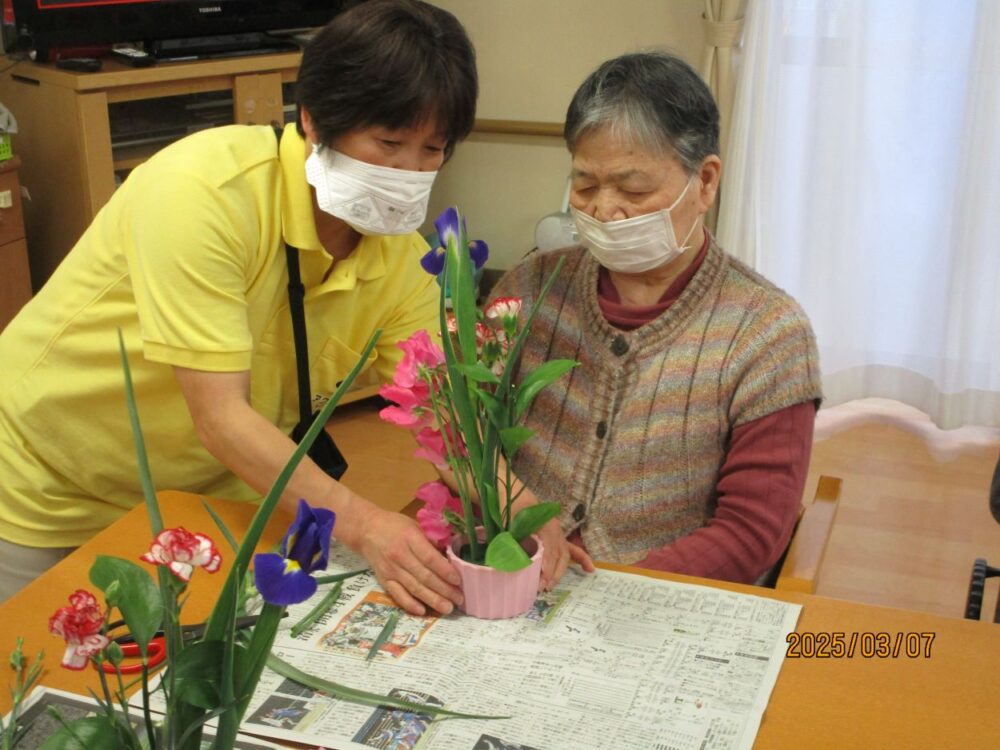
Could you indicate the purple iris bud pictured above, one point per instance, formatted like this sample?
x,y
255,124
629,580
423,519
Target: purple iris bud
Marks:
x,y
447,225
433,261
479,252
285,578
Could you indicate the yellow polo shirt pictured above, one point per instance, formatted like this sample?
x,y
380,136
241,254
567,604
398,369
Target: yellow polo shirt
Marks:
x,y
187,259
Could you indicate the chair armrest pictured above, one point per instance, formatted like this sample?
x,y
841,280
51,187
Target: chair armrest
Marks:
x,y
805,553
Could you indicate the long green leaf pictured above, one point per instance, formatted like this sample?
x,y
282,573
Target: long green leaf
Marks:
x,y
216,626
384,634
145,476
230,539
328,600
537,379
138,598
531,519
515,351
320,580
363,697
506,554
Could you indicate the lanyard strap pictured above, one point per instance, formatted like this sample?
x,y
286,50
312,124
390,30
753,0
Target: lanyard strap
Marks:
x,y
296,305
296,295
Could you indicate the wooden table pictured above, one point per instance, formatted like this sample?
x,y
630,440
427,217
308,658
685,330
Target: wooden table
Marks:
x,y
948,699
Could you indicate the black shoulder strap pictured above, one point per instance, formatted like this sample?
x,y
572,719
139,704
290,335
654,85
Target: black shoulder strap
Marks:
x,y
296,305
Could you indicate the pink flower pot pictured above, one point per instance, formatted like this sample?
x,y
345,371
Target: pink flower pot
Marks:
x,y
492,594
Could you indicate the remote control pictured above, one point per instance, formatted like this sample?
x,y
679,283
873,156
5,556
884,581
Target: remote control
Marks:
x,y
132,56
79,64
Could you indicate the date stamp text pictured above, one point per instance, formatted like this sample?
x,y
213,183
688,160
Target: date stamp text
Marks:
x,y
867,645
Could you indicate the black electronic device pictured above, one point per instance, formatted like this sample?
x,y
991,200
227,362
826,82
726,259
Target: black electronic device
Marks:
x,y
46,25
133,56
79,64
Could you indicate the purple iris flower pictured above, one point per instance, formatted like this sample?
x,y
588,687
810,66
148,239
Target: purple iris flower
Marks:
x,y
447,225
286,578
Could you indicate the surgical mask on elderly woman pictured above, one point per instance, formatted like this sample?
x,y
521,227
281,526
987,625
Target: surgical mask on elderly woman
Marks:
x,y
633,245
371,199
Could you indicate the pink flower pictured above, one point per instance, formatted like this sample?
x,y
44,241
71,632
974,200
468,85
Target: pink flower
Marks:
x,y
504,308
437,499
79,625
181,551
419,353
432,447
451,322
413,404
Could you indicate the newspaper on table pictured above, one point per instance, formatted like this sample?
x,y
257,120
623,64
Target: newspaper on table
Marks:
x,y
607,660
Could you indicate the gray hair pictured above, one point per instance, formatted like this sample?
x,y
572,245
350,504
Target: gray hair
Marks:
x,y
653,99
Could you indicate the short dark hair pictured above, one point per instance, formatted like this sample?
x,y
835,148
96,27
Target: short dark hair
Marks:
x,y
653,98
392,63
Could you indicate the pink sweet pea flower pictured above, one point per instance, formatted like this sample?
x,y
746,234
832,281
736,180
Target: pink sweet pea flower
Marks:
x,y
181,551
437,499
413,404
79,625
419,354
432,447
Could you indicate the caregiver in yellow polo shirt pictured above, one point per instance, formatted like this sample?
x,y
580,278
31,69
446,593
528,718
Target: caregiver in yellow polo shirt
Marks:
x,y
188,259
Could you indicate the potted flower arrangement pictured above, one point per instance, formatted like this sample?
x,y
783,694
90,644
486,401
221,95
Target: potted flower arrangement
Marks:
x,y
467,409
211,672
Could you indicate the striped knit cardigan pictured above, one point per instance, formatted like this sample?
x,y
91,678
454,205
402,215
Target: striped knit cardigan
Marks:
x,y
632,440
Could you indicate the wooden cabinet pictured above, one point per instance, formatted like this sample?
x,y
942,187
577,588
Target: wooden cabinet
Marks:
x,y
65,134
15,280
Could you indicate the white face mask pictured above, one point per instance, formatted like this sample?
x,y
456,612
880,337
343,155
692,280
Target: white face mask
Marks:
x,y
371,199
633,245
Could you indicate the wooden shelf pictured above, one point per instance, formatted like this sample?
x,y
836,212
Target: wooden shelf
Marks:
x,y
65,131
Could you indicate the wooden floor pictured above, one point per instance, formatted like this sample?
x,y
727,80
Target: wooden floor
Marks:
x,y
913,511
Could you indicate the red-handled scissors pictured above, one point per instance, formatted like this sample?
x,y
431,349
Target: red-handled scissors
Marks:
x,y
156,652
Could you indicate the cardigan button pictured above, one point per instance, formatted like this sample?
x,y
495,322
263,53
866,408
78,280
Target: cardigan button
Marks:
x,y
619,346
579,512
602,429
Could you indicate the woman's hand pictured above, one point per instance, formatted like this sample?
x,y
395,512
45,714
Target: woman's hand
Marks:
x,y
558,554
411,570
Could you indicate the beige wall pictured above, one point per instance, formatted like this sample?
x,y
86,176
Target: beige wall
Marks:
x,y
532,54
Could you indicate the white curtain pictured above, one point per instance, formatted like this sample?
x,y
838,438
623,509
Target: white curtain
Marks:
x,y
864,178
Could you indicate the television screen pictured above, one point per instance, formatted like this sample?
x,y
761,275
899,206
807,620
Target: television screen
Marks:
x,y
46,25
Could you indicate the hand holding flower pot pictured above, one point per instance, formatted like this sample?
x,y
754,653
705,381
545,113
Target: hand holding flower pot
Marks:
x,y
469,411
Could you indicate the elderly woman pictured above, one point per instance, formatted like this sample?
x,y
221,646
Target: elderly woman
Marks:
x,y
682,440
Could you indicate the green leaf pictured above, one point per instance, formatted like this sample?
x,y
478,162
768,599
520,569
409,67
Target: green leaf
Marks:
x,y
145,476
505,553
230,539
514,437
531,519
320,580
537,379
217,627
328,600
384,634
491,505
361,696
137,597
81,734
479,373
196,674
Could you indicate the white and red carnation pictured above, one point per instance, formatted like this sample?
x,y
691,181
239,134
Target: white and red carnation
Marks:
x,y
79,625
182,552
505,308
